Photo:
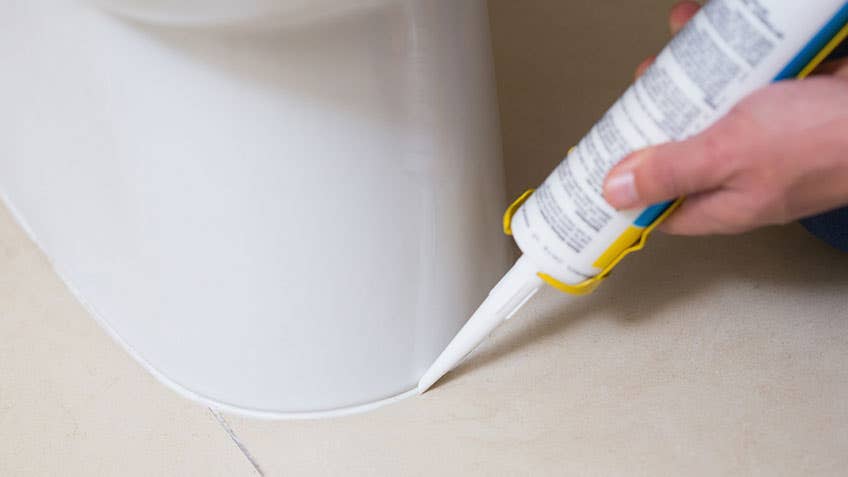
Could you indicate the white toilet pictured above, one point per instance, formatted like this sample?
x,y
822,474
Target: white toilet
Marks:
x,y
280,208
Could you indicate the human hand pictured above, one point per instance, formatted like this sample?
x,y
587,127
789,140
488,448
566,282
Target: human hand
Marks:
x,y
779,155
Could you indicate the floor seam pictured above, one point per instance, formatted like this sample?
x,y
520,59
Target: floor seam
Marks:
x,y
239,444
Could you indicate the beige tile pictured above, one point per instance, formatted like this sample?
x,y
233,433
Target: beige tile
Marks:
x,y
73,403
720,356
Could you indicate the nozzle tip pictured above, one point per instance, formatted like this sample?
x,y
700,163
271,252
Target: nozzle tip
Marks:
x,y
429,379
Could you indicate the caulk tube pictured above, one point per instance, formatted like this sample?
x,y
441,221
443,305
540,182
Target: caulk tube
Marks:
x,y
570,236
728,50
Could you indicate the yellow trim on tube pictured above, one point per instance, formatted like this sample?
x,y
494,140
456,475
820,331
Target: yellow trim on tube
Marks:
x,y
626,239
823,54
512,209
591,284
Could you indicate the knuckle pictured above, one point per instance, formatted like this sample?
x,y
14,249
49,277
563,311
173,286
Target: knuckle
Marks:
x,y
716,150
723,141
662,179
726,147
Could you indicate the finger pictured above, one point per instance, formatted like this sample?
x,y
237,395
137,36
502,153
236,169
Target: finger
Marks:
x,y
643,66
698,216
676,169
680,14
688,219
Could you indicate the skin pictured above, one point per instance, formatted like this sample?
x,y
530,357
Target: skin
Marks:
x,y
780,155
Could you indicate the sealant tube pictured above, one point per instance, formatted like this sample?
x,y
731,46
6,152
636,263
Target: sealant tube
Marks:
x,y
570,236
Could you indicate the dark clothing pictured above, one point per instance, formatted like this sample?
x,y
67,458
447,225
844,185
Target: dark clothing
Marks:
x,y
832,227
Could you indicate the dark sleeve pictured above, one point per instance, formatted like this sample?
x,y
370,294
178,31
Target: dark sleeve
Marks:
x,y
832,227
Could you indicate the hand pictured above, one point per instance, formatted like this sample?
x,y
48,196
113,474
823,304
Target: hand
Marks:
x,y
781,154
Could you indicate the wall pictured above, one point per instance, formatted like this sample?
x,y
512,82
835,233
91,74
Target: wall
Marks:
x,y
560,65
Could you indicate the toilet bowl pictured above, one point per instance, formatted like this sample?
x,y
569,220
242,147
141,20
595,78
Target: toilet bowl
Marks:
x,y
279,208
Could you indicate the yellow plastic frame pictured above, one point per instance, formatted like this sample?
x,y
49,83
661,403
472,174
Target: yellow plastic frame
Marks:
x,y
589,285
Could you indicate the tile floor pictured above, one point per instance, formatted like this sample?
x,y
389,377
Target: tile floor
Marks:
x,y
684,364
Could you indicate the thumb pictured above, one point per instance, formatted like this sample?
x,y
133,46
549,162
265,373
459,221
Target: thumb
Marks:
x,y
668,171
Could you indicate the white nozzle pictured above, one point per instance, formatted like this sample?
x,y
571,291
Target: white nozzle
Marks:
x,y
508,296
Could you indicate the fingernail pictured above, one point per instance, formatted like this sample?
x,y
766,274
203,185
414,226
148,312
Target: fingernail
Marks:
x,y
620,190
631,162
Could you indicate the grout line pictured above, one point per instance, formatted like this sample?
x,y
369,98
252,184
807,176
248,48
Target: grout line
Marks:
x,y
229,430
